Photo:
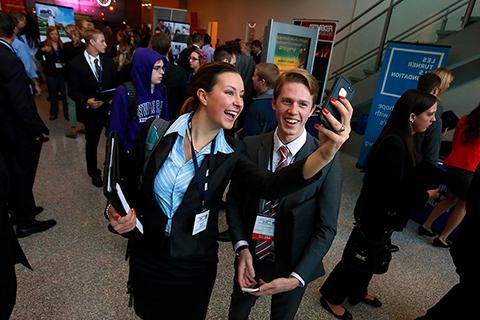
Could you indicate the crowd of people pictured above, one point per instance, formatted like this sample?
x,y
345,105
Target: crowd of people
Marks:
x,y
284,184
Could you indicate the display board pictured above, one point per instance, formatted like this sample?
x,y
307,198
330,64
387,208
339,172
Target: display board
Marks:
x,y
53,15
324,50
402,66
178,32
289,46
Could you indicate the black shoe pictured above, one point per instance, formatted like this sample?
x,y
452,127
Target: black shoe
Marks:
x,y
53,117
97,181
345,316
34,227
376,303
439,243
224,236
425,232
393,248
37,210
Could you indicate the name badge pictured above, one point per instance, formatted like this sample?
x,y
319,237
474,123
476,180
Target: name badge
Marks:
x,y
201,221
58,65
264,228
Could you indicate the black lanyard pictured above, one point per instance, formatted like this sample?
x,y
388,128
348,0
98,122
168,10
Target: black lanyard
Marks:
x,y
202,182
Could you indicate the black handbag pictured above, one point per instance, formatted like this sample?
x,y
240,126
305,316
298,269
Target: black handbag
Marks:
x,y
365,255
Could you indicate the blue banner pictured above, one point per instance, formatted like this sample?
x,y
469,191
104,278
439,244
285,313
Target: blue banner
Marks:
x,y
402,65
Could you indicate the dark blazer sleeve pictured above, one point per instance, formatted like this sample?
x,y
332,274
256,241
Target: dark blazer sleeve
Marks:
x,y
76,76
327,206
271,185
21,100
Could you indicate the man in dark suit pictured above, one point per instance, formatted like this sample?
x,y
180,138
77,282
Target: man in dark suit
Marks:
x,y
280,245
21,134
10,250
90,73
175,79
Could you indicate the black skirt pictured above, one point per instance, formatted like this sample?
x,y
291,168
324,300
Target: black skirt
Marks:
x,y
458,181
170,288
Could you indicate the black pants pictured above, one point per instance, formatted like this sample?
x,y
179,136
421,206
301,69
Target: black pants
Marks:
x,y
22,167
345,282
95,121
284,305
8,289
56,84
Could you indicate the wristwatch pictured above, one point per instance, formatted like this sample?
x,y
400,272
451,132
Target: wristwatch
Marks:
x,y
239,249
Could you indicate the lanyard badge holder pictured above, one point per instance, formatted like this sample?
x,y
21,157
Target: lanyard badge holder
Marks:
x,y
201,219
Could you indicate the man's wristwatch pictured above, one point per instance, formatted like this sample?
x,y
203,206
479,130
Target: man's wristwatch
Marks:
x,y
239,249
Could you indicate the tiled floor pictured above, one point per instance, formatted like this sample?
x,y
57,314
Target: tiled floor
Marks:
x,y
80,272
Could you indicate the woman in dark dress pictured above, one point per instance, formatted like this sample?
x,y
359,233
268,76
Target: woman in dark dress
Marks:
x,y
387,193
173,263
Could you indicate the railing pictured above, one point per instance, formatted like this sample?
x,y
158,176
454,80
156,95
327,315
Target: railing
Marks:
x,y
454,15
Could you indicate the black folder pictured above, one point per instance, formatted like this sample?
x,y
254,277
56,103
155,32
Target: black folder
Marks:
x,y
104,95
111,176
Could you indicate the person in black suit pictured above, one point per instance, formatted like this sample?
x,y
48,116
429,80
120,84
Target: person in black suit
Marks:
x,y
183,58
389,190
89,73
10,251
175,77
21,134
305,221
173,263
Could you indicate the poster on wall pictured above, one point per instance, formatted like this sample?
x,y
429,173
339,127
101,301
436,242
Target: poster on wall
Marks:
x,y
13,5
324,51
49,15
289,46
402,66
291,52
178,33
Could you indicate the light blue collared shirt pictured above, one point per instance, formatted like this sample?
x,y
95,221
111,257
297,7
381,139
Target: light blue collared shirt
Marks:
x,y
175,175
23,54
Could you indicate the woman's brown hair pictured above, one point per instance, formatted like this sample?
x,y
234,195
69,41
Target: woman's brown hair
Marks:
x,y
206,78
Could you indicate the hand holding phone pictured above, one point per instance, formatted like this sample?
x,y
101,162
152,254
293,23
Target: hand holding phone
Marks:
x,y
341,88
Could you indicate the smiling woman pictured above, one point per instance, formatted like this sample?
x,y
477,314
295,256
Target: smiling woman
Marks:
x,y
181,194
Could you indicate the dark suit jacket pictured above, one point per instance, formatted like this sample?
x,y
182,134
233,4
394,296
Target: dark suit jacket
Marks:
x,y
19,120
390,185
176,83
204,245
306,222
10,250
83,85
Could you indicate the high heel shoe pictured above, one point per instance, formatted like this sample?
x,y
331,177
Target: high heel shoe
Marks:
x,y
422,231
439,243
345,316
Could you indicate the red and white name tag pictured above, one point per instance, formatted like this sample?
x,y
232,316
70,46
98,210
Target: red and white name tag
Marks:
x,y
264,228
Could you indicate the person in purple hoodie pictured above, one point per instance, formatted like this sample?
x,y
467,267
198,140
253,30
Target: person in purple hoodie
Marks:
x,y
135,102
150,96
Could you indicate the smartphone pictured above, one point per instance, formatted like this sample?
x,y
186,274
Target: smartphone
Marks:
x,y
250,289
341,88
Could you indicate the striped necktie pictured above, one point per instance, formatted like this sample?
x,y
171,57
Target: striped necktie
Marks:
x,y
263,248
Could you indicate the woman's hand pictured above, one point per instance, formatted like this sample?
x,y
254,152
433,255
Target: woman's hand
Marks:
x,y
333,140
433,194
122,224
330,141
